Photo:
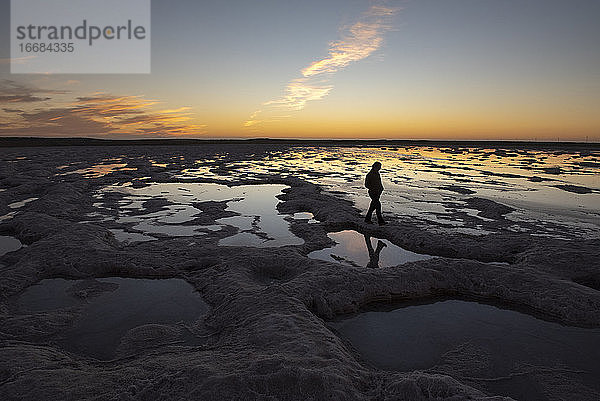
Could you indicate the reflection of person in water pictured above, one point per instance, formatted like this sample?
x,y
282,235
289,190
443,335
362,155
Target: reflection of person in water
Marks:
x,y
374,253
373,184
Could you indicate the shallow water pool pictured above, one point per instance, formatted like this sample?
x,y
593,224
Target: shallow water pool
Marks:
x,y
9,244
359,250
471,339
112,306
258,222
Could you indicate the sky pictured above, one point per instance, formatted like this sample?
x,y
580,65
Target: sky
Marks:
x,y
420,69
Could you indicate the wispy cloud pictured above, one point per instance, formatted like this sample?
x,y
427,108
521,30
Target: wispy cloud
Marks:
x,y
357,42
299,92
97,114
14,92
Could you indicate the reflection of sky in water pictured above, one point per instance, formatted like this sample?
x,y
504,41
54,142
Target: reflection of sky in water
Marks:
x,y
9,244
268,222
413,175
106,317
417,337
20,204
125,236
7,216
307,216
351,248
255,204
98,170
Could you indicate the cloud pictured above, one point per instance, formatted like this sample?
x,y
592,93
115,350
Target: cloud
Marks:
x,y
357,42
179,110
97,114
298,93
13,92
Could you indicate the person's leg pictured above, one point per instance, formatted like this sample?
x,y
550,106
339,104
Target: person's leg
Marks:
x,y
372,206
378,210
377,205
369,245
370,211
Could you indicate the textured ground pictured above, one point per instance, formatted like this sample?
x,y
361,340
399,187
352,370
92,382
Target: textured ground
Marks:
x,y
264,337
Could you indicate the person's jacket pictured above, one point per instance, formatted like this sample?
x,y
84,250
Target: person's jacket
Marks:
x,y
373,182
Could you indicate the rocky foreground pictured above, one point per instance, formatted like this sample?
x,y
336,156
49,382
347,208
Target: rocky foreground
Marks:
x,y
264,337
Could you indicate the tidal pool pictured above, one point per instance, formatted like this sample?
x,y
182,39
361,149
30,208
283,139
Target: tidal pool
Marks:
x,y
9,244
129,237
360,250
459,336
112,306
257,220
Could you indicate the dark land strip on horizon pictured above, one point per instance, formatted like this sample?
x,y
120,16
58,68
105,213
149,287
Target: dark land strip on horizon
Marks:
x,y
44,142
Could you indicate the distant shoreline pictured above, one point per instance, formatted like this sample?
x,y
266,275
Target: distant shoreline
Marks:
x,y
47,142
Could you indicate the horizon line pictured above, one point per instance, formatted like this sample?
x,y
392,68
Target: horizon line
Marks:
x,y
16,141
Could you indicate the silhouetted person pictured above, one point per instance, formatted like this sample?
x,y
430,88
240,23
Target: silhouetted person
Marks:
x,y
373,184
374,253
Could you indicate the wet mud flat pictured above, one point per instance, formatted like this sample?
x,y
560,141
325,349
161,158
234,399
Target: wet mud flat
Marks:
x,y
264,252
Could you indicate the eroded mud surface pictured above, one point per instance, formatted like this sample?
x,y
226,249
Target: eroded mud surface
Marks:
x,y
495,233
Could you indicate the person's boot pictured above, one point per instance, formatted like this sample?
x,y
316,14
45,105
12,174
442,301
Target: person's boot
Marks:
x,y
382,222
368,220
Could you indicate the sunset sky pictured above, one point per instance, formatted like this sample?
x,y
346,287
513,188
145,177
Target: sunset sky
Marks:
x,y
420,69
